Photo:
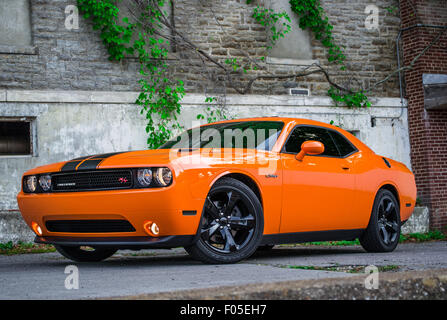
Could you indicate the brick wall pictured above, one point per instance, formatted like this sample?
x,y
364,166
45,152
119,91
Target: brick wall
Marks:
x,y
428,128
76,59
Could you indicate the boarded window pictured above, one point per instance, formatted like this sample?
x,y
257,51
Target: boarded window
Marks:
x,y
15,25
15,138
296,43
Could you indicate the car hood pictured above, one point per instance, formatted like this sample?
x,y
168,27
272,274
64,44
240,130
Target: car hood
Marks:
x,y
158,157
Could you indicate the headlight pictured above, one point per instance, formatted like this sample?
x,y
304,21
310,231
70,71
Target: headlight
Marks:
x,y
45,182
144,177
163,176
31,183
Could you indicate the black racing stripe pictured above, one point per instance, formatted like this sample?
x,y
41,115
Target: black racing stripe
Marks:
x,y
93,162
70,166
89,164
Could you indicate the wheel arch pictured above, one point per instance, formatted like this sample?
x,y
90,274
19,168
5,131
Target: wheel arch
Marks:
x,y
245,179
393,189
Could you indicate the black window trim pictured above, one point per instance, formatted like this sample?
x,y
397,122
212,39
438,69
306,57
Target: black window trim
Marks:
x,y
283,148
32,135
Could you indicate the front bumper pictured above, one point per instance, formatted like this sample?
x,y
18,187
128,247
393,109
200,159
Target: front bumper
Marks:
x,y
133,243
165,206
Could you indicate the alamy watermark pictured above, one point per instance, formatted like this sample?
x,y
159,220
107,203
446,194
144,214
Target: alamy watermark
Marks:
x,y
72,280
372,278
71,17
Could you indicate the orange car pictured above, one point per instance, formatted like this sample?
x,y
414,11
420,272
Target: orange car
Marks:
x,y
222,191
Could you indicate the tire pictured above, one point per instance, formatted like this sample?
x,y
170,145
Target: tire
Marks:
x,y
383,231
232,224
79,254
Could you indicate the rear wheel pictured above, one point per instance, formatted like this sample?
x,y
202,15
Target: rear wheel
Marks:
x,y
85,254
383,232
232,224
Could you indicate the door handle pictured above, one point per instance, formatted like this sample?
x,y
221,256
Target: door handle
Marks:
x,y
345,168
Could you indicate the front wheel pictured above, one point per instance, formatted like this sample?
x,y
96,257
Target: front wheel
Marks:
x,y
85,254
383,231
232,224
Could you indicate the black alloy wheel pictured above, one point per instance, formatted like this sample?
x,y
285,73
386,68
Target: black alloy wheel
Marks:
x,y
231,226
383,232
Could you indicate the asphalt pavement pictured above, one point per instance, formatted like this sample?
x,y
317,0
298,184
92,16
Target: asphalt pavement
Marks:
x,y
46,276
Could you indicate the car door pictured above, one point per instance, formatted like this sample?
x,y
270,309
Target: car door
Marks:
x,y
319,190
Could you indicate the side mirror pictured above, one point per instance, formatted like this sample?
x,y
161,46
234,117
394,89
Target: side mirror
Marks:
x,y
311,148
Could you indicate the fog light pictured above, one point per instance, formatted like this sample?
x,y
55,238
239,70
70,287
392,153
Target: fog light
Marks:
x,y
151,228
36,228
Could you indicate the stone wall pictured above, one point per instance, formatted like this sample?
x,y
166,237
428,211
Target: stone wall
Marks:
x,y
76,59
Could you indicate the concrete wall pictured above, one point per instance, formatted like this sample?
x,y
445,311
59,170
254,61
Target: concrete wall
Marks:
x,y
42,82
69,124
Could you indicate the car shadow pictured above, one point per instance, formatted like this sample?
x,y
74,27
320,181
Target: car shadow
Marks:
x,y
172,259
150,259
305,251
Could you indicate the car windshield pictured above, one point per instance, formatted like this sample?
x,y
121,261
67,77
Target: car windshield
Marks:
x,y
260,135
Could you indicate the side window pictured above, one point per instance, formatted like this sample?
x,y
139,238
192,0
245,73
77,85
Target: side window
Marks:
x,y
344,146
303,133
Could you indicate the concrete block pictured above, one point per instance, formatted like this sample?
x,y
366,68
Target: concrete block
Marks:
x,y
418,222
13,228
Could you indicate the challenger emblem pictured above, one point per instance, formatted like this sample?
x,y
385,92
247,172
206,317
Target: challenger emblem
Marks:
x,y
68,184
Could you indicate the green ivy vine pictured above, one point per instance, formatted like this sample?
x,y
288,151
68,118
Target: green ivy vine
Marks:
x,y
311,15
160,96
269,18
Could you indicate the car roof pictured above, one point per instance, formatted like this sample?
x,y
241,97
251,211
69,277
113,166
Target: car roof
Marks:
x,y
300,121
282,119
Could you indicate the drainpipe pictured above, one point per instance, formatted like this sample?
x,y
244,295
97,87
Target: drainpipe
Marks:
x,y
401,31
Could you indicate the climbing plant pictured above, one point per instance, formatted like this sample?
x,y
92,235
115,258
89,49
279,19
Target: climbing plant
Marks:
x,y
311,16
160,94
147,38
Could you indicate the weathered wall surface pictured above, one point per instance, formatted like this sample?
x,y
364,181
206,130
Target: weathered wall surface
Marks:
x,y
69,126
76,59
89,106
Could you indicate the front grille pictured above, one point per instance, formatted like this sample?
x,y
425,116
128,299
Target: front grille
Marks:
x,y
89,226
92,180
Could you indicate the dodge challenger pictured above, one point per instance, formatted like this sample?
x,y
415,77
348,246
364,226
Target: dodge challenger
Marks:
x,y
222,191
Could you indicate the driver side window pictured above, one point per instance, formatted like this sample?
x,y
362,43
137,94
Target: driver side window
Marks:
x,y
304,133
